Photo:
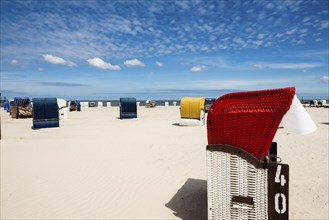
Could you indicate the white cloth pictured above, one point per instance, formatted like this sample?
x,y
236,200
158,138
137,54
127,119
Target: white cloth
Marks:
x,y
297,120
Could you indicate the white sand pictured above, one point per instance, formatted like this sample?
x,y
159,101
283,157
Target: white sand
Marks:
x,y
96,166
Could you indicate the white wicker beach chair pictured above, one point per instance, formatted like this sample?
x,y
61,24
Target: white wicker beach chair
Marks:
x,y
245,181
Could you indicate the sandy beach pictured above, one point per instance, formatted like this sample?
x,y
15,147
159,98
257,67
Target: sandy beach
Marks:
x,y
96,166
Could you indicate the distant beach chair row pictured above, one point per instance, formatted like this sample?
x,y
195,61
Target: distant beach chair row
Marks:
x,y
48,111
147,103
317,103
192,109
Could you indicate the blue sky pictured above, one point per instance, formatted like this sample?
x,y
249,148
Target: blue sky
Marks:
x,y
162,49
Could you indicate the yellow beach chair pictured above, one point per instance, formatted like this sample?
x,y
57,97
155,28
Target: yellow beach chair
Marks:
x,y
192,111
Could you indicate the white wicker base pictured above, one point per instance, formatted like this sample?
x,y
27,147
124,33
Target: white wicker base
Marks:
x,y
232,176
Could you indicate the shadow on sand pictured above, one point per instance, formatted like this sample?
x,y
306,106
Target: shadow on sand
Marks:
x,y
190,201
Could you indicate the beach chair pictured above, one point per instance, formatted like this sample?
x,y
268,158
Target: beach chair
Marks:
x,y
128,108
323,103
6,106
150,104
22,107
245,179
192,111
208,103
45,113
314,103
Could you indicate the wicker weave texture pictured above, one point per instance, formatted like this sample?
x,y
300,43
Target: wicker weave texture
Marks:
x,y
228,176
248,120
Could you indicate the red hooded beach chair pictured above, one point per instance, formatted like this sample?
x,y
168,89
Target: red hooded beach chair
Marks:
x,y
244,182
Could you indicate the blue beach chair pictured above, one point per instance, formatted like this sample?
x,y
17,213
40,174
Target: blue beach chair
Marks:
x,y
128,108
45,113
6,106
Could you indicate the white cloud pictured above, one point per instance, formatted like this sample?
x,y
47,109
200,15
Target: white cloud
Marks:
x,y
287,65
325,79
159,64
101,64
324,24
270,6
260,36
260,66
198,68
14,62
293,65
291,31
183,4
134,62
57,60
241,42
258,42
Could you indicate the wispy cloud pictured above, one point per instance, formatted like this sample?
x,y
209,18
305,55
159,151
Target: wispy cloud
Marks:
x,y
183,4
101,64
159,64
61,84
216,62
118,35
198,68
325,79
57,60
134,62
240,84
229,40
286,65
261,66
